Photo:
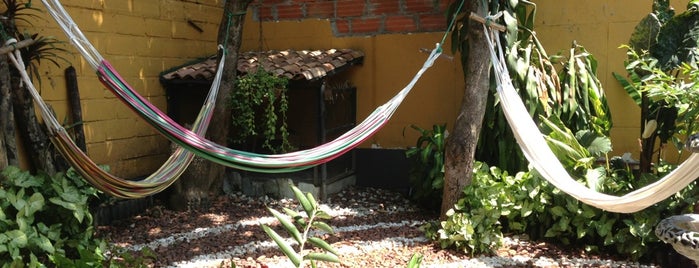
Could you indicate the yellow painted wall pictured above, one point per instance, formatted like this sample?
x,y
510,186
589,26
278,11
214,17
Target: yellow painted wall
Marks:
x,y
143,38
390,63
601,27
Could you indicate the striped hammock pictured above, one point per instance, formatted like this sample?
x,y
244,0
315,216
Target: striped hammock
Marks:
x,y
101,179
541,157
209,150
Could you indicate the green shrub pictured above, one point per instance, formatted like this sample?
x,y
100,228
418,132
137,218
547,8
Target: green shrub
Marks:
x,y
493,202
497,203
46,220
427,172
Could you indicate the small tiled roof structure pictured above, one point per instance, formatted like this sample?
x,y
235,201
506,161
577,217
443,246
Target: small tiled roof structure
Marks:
x,y
295,64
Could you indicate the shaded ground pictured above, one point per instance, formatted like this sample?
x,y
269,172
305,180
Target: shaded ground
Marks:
x,y
374,228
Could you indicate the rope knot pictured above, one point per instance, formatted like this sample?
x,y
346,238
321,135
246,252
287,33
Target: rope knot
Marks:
x,y
490,19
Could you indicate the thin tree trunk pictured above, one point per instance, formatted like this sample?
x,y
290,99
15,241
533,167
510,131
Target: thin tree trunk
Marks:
x,y
461,145
210,180
37,144
8,145
230,34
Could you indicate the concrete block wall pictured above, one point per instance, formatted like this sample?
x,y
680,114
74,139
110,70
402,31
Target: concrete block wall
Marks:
x,y
141,39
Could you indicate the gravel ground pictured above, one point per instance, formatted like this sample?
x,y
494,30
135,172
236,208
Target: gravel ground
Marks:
x,y
374,228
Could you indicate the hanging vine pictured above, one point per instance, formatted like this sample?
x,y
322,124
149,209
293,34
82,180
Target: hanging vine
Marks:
x,y
259,105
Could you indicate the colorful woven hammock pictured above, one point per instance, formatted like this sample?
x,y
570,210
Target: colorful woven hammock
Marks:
x,y
541,157
217,153
101,179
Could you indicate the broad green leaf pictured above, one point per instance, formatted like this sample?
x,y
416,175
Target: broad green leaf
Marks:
x,y
36,203
17,238
78,212
44,243
285,248
71,194
558,211
551,233
595,179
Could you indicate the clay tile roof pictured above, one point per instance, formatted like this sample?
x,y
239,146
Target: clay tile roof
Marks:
x,y
297,65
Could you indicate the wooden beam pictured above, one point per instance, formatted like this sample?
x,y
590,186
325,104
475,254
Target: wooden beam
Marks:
x,y
18,45
491,24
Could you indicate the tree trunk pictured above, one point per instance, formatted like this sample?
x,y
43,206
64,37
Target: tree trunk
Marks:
x,y
8,145
42,154
461,145
230,32
76,111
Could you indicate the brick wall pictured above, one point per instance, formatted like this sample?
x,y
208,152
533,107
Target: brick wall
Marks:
x,y
359,17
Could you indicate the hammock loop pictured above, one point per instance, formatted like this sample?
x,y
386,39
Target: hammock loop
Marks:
x,y
11,42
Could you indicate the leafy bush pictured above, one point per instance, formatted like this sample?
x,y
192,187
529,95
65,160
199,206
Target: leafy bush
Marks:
x,y
427,173
497,202
493,202
46,219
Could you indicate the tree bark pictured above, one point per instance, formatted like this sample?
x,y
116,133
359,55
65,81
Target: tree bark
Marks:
x,y
41,152
461,145
8,145
76,112
210,180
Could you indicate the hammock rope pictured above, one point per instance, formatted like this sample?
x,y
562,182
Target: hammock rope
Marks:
x,y
170,171
209,150
541,157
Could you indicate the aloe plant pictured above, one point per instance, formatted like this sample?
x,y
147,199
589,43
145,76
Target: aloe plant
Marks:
x,y
299,225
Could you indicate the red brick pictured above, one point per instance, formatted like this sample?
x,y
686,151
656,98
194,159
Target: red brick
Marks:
x,y
400,24
366,25
349,8
323,9
289,11
342,26
269,2
442,5
432,22
380,7
265,13
419,6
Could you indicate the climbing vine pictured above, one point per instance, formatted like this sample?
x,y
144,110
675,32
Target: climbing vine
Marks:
x,y
259,105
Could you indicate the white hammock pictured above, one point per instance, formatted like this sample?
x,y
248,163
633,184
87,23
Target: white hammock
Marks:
x,y
545,162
